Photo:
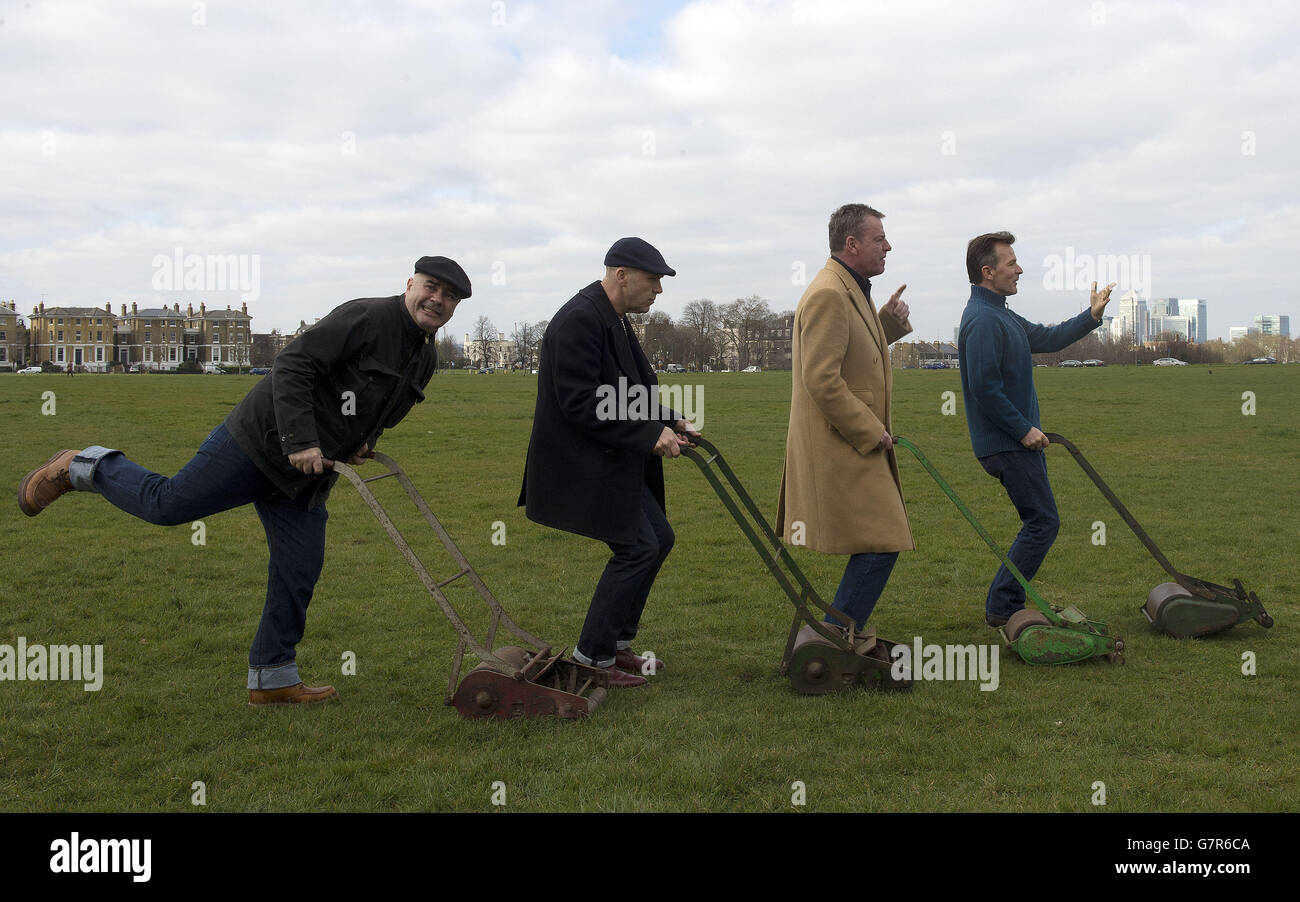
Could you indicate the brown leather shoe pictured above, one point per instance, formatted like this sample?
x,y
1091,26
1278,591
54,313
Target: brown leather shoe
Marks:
x,y
291,695
620,680
626,659
41,486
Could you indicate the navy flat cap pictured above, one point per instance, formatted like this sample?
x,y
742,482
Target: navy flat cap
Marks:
x,y
638,254
448,271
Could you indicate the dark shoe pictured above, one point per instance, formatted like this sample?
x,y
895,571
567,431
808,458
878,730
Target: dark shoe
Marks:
x,y
620,680
995,621
626,659
41,486
291,695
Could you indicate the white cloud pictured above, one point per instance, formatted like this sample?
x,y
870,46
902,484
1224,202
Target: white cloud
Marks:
x,y
341,141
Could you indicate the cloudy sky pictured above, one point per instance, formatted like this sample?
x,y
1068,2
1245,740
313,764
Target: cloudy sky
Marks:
x,y
334,143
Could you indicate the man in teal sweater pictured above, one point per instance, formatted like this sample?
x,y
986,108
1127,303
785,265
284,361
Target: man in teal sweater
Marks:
x,y
995,348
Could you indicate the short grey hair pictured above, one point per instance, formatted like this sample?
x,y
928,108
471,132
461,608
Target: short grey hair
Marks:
x,y
848,221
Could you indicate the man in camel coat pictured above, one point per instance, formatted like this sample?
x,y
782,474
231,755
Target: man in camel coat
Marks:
x,y
840,491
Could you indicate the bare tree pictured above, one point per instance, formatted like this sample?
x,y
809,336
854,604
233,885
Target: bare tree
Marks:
x,y
527,338
483,334
449,351
701,323
748,321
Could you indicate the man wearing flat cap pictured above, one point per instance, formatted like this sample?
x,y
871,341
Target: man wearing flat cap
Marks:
x,y
331,393
595,467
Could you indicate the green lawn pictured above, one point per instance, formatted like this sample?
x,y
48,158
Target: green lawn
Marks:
x,y
1177,728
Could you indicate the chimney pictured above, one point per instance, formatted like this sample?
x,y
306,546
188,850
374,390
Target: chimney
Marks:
x,y
176,307
108,308
42,306
227,308
124,309
244,309
190,309
133,310
203,308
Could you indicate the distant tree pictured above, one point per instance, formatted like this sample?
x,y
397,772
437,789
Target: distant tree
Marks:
x,y
449,351
747,322
527,337
701,326
482,335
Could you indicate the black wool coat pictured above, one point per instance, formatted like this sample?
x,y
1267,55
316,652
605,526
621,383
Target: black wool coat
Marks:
x,y
337,386
585,469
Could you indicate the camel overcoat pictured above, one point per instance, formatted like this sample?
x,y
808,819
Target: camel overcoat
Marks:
x,y
839,493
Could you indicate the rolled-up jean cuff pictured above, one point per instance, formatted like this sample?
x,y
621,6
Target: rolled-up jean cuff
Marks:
x,y
81,472
583,659
623,644
280,676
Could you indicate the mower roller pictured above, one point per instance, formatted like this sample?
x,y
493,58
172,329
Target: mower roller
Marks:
x,y
819,657
1187,607
1049,635
526,680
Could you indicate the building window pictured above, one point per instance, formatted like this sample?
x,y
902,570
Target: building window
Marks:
x,y
2,335
172,354
78,338
146,336
99,335
60,335
60,354
148,355
60,321
3,351
99,354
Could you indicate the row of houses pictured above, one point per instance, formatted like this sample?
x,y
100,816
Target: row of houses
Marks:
x,y
152,338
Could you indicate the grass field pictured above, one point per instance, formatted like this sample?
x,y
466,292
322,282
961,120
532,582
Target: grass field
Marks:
x,y
1177,728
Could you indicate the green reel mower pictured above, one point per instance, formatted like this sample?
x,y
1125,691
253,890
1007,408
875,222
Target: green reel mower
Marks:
x,y
1048,635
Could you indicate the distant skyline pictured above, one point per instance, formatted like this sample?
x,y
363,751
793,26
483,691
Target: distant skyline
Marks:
x,y
328,146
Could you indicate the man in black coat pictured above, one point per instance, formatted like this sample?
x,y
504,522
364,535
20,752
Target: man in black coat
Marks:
x,y
331,393
598,435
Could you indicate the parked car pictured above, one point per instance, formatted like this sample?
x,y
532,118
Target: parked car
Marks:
x,y
259,371
1093,362
1263,360
28,370
1070,363
933,365
1169,361
751,369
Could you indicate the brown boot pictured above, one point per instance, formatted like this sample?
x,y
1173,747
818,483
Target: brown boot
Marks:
x,y
291,695
41,486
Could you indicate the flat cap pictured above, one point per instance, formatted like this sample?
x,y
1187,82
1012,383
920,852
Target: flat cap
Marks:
x,y
447,270
638,254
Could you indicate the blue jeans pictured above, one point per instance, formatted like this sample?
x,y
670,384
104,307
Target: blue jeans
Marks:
x,y
620,597
1024,475
864,579
220,477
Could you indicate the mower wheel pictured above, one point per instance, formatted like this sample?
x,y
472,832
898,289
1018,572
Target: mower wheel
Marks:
x,y
1022,619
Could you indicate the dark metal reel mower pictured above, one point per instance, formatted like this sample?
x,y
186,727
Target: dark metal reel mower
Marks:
x,y
819,657
525,680
1049,635
1187,607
